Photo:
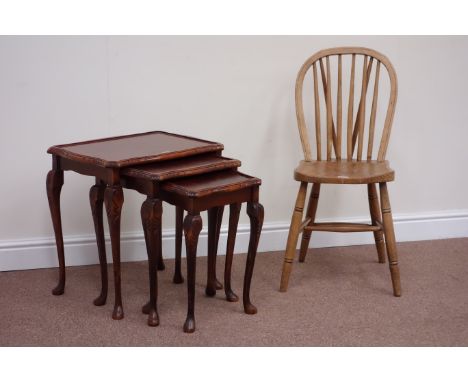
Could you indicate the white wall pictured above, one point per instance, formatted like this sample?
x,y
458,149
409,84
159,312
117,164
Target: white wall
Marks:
x,y
235,90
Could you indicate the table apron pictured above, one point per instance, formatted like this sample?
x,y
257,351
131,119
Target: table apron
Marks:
x,y
105,174
204,203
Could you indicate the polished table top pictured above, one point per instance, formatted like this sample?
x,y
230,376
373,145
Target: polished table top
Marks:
x,y
134,149
178,168
210,183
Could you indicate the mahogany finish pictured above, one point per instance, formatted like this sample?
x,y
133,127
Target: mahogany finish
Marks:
x,y
255,212
211,192
105,159
215,216
145,179
345,165
54,183
234,211
96,200
113,199
192,228
196,188
179,168
128,150
178,278
151,212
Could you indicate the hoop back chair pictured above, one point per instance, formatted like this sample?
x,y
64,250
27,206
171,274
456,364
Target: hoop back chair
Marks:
x,y
345,165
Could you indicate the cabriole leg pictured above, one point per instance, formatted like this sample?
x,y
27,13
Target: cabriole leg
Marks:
x,y
178,279
192,228
219,221
54,183
113,199
151,212
96,200
160,261
234,210
214,216
255,212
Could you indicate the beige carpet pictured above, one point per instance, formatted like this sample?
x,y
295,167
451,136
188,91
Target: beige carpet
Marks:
x,y
338,297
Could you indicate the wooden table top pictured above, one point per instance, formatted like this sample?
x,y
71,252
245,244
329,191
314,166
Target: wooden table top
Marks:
x,y
213,182
194,165
134,149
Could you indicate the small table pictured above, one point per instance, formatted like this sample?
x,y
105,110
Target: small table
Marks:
x,y
105,159
210,192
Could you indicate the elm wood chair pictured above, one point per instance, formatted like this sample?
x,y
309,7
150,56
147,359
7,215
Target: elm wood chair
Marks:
x,y
147,179
211,192
344,167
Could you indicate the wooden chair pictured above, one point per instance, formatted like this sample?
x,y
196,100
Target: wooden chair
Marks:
x,y
345,166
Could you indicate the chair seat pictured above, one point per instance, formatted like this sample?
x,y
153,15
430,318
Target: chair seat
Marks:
x,y
344,172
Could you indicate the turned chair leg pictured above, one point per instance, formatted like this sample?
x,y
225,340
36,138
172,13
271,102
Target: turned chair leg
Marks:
x,y
215,215
390,239
113,199
311,212
293,236
96,200
255,212
192,228
234,211
376,216
178,278
54,183
151,212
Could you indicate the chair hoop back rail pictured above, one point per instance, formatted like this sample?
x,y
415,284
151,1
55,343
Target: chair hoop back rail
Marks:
x,y
344,167
355,121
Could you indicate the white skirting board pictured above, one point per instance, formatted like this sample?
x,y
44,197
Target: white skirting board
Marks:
x,y
82,250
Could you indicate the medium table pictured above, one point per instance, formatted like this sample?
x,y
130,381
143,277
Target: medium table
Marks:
x,y
207,191
105,159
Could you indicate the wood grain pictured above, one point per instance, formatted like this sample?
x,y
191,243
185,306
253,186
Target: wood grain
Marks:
x,y
353,170
344,172
127,150
326,80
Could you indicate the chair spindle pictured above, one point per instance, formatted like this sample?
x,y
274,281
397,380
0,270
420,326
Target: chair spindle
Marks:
x,y
339,113
329,113
317,115
350,110
356,123
362,114
373,112
325,87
